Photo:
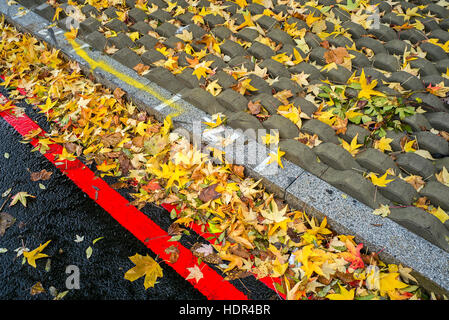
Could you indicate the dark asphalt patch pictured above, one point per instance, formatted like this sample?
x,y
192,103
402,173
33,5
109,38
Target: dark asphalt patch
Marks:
x,y
59,213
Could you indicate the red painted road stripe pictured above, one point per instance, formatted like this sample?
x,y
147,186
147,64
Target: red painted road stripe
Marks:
x,y
213,286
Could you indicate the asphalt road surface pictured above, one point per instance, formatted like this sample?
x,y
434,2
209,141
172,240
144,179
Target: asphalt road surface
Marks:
x,y
60,213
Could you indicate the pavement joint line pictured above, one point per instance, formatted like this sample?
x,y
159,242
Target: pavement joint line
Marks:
x,y
431,277
166,104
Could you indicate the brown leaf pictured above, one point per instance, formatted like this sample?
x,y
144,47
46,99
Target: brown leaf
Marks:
x,y
294,236
210,258
403,141
174,229
119,185
254,107
124,163
324,280
416,181
336,55
141,68
209,193
173,251
283,96
238,250
238,170
41,175
6,220
110,140
445,135
36,289
236,274
73,148
119,93
325,44
345,277
111,50
422,202
138,141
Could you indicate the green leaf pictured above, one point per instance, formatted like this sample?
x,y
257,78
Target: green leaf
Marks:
x,y
173,214
213,228
279,288
98,239
88,252
175,238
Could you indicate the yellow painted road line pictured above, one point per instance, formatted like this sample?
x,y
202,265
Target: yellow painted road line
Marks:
x,y
125,78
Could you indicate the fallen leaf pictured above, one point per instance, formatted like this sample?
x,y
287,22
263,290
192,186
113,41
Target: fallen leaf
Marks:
x,y
343,295
173,251
195,273
89,252
383,211
6,221
36,289
145,266
41,175
254,107
379,181
22,197
209,193
32,256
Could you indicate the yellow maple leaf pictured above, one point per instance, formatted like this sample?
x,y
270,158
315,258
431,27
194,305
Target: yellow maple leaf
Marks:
x,y
218,122
440,214
390,282
367,88
32,256
198,19
248,21
276,157
7,106
383,144
65,155
298,58
214,88
310,259
200,72
343,295
48,105
134,36
245,85
71,35
408,147
353,147
379,181
168,124
145,266
105,167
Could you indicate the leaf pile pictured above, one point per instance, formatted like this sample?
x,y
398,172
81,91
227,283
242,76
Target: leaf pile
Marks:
x,y
253,232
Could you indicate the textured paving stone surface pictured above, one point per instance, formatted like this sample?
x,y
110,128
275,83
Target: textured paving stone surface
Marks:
x,y
406,53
